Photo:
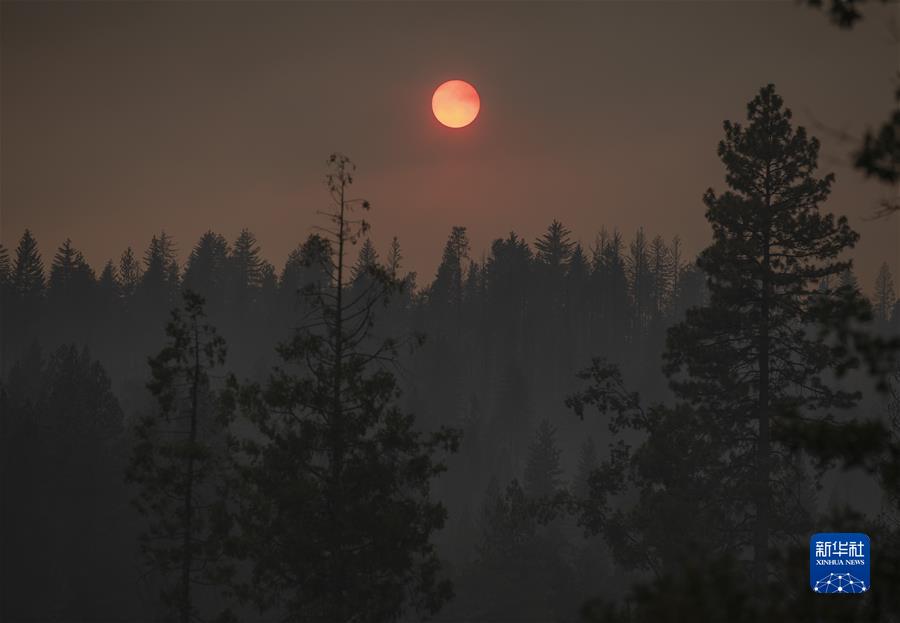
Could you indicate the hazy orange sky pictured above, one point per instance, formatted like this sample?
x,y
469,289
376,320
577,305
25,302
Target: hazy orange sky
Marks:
x,y
123,119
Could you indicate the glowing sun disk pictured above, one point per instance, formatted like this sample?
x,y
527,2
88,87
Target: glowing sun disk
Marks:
x,y
455,103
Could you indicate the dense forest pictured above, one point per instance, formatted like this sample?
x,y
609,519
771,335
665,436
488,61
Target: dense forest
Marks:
x,y
549,430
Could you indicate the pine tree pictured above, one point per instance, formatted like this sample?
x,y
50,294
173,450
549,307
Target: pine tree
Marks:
x,y
543,473
846,279
70,285
307,267
206,271
109,290
68,266
745,359
553,252
109,277
640,282
365,261
579,268
24,307
337,518
268,282
159,279
554,248
246,262
177,461
447,286
28,269
508,284
129,273
884,294
395,257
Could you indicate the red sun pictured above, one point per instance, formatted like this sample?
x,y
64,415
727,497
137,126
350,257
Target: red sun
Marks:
x,y
455,103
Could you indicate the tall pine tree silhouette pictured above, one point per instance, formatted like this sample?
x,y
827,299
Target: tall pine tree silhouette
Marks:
x,y
337,519
771,246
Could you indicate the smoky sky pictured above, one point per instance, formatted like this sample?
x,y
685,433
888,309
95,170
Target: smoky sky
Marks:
x,y
123,119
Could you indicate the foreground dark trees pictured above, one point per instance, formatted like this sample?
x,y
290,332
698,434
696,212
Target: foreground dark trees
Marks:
x,y
755,343
753,372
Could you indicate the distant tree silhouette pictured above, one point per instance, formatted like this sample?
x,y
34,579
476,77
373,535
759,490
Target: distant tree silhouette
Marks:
x,y
177,461
543,472
109,296
611,286
576,318
885,297
68,269
847,279
207,269
579,268
676,266
661,266
62,537
129,273
70,294
553,254
447,287
248,270
336,516
523,556
365,261
307,265
508,281
641,281
554,248
520,572
245,260
25,303
28,269
394,259
160,276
